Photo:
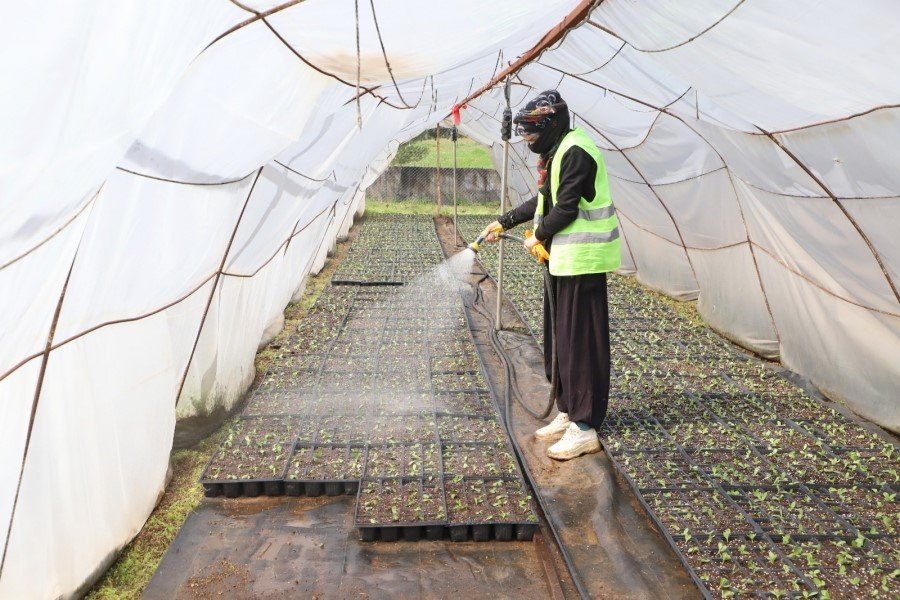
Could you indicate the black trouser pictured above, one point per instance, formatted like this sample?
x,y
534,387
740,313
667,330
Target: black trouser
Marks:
x,y
582,340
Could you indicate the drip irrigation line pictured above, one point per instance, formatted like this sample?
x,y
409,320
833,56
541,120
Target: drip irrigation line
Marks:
x,y
554,362
512,382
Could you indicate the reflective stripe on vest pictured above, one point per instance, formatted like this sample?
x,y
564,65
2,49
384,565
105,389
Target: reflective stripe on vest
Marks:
x,y
590,243
561,239
596,214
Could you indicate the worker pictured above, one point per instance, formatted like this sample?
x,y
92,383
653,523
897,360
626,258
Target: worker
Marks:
x,y
575,221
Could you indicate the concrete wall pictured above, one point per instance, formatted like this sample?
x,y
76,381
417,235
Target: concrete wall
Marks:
x,y
409,183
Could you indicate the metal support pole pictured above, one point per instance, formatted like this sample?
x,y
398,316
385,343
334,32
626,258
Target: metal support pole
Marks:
x,y
505,133
453,135
503,187
437,179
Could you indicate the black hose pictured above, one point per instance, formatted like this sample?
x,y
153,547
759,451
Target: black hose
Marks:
x,y
554,364
510,382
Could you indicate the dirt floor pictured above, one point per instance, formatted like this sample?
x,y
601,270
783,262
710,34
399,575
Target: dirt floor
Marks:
x,y
307,547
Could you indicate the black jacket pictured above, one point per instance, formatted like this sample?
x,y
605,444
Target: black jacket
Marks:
x,y
577,175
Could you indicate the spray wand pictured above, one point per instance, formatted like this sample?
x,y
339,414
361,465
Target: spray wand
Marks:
x,y
476,245
538,251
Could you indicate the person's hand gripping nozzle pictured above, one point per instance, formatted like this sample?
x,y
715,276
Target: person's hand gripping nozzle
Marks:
x,y
476,245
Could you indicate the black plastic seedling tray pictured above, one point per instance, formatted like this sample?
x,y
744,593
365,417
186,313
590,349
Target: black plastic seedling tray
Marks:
x,y
308,486
499,531
410,531
496,529
403,453
235,488
313,488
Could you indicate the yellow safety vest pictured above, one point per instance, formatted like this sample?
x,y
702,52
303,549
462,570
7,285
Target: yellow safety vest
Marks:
x,y
590,243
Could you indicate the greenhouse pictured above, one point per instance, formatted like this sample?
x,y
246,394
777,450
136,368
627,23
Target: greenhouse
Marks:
x,y
259,339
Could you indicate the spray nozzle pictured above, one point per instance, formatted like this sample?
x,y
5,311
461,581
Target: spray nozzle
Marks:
x,y
476,245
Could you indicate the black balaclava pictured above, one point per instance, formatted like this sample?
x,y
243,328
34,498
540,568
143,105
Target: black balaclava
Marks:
x,y
547,114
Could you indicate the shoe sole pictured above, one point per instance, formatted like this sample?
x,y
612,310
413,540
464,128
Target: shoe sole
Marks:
x,y
578,451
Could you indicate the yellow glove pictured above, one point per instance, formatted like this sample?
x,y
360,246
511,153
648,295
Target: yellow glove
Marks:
x,y
537,250
493,228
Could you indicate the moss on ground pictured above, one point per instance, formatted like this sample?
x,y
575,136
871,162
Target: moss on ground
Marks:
x,y
130,574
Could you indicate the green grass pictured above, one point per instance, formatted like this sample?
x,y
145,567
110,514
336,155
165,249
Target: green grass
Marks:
x,y
469,154
427,207
130,574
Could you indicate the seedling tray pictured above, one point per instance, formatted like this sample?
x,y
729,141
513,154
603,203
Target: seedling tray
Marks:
x,y
298,480
495,459
250,487
464,403
400,527
469,428
421,459
743,568
496,528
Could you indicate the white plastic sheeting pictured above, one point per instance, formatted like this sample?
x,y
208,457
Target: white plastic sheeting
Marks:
x,y
170,172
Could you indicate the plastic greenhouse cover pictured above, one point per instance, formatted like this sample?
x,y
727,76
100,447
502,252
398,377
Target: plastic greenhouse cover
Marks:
x,y
170,172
